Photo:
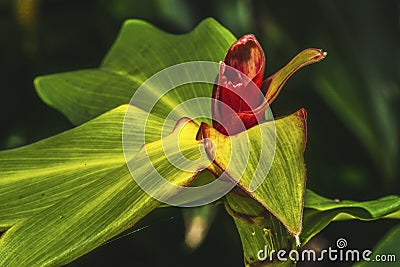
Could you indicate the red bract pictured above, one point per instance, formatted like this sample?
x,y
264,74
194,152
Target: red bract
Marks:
x,y
240,96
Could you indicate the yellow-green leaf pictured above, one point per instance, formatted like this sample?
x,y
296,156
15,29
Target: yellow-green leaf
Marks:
x,y
96,212
282,189
35,177
273,84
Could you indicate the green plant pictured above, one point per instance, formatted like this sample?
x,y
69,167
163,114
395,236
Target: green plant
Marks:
x,y
75,187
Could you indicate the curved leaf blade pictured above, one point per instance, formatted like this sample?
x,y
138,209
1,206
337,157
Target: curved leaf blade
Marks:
x,y
140,51
273,84
320,211
97,212
282,190
34,177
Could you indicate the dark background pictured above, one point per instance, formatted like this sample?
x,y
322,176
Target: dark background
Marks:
x,y
352,99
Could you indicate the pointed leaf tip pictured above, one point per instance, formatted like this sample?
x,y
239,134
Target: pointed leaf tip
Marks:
x,y
273,84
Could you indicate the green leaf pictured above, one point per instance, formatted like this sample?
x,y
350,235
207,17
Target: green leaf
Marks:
x,y
320,211
258,229
98,211
273,84
140,51
34,177
282,190
82,211
388,250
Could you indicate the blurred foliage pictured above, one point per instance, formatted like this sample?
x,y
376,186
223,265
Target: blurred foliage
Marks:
x,y
352,98
384,249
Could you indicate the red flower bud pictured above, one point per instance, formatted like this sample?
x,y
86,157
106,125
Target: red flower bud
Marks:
x,y
240,96
238,89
